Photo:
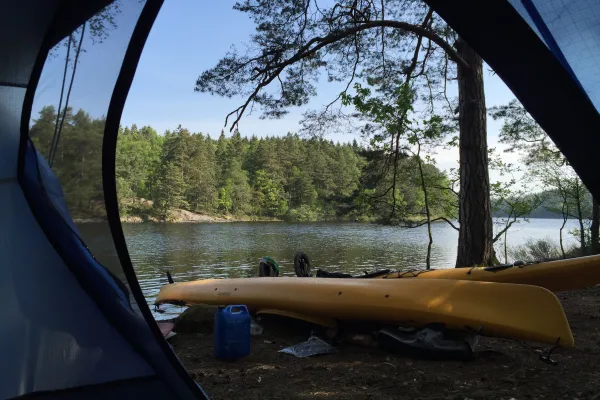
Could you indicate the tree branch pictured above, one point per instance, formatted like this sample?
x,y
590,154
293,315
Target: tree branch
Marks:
x,y
402,118
507,227
271,72
444,188
352,76
433,220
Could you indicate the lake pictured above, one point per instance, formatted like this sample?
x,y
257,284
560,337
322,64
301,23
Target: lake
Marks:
x,y
228,250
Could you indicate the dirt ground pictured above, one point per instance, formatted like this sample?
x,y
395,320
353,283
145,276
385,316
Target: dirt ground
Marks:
x,y
501,369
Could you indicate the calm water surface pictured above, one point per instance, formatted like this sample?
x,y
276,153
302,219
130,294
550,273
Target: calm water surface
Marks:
x,y
228,250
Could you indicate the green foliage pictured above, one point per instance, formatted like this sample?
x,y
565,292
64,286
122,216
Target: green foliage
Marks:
x,y
201,175
171,185
239,190
78,162
270,198
534,250
409,186
138,159
304,213
225,194
540,249
274,177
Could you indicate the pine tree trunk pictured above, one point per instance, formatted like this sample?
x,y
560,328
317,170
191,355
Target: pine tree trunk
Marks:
x,y
475,237
595,228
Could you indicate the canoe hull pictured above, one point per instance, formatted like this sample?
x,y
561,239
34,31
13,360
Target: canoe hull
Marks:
x,y
502,310
556,276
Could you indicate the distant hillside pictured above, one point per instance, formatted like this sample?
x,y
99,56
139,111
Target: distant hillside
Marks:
x,y
552,201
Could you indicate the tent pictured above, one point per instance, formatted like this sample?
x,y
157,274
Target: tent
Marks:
x,y
76,326
72,328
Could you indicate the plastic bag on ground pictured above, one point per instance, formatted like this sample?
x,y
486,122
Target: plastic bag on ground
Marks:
x,y
312,347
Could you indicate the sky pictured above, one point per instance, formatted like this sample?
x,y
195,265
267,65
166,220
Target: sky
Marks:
x,y
188,37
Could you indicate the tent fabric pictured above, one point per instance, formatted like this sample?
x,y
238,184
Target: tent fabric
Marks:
x,y
574,30
115,110
110,323
65,241
20,44
69,328
45,345
11,99
52,189
520,8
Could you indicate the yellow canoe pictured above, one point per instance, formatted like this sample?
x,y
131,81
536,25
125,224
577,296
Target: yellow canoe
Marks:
x,y
556,276
501,310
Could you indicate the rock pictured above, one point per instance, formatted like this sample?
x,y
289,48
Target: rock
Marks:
x,y
180,215
131,219
196,319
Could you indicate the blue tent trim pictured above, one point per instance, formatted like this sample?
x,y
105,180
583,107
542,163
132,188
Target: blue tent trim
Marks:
x,y
49,214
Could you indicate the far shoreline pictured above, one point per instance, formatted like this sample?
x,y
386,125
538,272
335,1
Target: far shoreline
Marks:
x,y
209,220
180,216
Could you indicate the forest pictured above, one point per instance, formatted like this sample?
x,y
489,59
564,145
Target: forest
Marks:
x,y
285,177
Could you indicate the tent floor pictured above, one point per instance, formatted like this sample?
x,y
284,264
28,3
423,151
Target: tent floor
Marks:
x,y
502,369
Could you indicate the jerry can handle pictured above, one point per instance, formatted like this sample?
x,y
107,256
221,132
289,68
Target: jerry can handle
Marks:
x,y
240,309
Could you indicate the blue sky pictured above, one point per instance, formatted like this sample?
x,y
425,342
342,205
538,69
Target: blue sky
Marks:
x,y
188,37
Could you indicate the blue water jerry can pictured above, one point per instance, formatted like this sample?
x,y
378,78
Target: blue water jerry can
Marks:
x,y
232,332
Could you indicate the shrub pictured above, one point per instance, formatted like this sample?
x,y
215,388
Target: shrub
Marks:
x,y
540,249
